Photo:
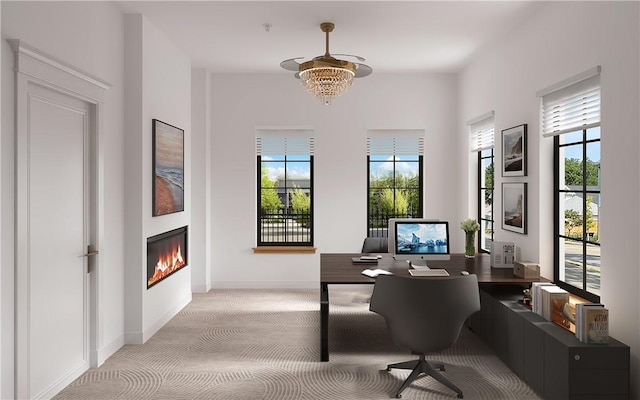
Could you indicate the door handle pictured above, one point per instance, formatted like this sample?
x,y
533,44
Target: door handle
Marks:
x,y
90,252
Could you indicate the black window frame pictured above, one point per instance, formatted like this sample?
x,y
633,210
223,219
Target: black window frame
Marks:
x,y
382,230
481,187
287,210
559,230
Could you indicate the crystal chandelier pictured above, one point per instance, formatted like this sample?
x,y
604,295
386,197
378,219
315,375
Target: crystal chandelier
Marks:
x,y
326,77
327,83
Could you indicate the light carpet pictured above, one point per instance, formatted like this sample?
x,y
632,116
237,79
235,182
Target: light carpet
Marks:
x,y
265,344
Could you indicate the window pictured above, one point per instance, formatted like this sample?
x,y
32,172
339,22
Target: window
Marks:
x,y
571,114
285,187
482,142
394,168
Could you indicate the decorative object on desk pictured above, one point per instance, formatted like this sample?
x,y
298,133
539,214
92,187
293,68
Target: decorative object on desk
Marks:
x,y
502,254
372,273
514,151
526,270
514,207
168,169
470,226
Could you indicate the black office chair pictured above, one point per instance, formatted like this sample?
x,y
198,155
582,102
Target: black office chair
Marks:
x,y
375,245
425,315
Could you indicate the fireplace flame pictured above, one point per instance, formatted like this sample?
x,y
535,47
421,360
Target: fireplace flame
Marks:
x,y
167,263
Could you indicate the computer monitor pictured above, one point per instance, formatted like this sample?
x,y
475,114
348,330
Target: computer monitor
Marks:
x,y
419,240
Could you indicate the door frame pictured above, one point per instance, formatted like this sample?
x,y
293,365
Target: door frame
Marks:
x,y
33,66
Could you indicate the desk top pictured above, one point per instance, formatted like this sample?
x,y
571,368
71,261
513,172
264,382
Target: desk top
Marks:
x,y
337,268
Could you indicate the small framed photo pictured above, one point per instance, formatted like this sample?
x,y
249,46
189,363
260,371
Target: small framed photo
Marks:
x,y
514,151
168,169
514,207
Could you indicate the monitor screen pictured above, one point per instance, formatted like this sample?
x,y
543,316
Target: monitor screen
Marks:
x,y
419,239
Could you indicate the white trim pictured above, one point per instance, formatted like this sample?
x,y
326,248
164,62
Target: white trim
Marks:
x,y
482,117
590,73
265,285
33,66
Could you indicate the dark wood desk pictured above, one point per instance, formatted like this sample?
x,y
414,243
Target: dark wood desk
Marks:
x,y
339,269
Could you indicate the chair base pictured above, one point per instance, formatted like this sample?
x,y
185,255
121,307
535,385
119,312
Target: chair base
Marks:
x,y
422,366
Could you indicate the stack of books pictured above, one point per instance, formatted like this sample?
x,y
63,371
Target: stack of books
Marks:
x,y
548,301
592,323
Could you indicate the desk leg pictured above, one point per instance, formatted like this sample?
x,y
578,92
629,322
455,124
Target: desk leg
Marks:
x,y
324,322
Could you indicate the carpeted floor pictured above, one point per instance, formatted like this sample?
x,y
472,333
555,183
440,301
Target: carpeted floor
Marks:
x,y
265,344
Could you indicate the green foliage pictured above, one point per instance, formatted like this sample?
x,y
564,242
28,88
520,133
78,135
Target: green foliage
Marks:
x,y
573,172
488,183
572,220
395,197
301,204
269,201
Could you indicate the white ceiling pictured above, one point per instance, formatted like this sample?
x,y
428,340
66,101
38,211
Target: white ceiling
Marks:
x,y
434,36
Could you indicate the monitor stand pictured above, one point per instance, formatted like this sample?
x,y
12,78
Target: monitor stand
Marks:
x,y
421,264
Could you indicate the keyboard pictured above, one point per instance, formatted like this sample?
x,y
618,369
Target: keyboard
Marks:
x,y
429,272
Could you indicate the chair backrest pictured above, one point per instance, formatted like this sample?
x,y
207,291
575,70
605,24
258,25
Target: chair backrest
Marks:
x,y
425,315
375,245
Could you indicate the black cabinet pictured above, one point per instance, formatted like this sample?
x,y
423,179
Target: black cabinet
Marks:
x,y
549,358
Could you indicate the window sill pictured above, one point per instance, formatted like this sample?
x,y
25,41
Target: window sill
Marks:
x,y
284,250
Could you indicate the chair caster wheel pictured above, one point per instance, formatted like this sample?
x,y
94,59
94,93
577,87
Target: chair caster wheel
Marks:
x,y
398,396
388,369
460,396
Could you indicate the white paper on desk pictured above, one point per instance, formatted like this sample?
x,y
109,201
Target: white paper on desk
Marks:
x,y
372,273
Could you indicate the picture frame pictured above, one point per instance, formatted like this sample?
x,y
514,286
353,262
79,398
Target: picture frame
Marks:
x,y
514,207
514,151
167,169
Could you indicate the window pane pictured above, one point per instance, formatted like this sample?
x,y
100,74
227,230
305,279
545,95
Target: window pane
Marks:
x,y
486,173
571,160
407,174
571,266
571,206
593,133
593,268
593,166
572,137
486,234
381,174
593,216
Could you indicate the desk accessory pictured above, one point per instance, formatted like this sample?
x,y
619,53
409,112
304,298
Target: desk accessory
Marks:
x,y
526,270
372,273
365,260
502,254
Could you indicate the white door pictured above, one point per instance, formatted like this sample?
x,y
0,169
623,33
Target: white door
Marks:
x,y
53,315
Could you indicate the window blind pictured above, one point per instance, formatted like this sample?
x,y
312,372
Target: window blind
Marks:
x,y
570,105
395,142
481,132
284,142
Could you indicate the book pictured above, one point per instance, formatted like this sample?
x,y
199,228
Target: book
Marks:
x,y
553,300
582,322
372,273
595,325
536,299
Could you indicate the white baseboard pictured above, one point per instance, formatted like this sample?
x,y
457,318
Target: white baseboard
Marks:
x,y
200,288
266,285
142,337
166,317
98,357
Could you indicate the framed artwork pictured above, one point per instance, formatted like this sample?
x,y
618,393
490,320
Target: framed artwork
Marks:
x,y
514,207
514,151
168,168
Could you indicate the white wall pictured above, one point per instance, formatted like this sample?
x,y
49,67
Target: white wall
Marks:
x,y
557,41
158,85
240,103
90,37
200,251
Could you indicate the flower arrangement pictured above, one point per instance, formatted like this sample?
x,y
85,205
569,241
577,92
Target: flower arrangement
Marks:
x,y
469,225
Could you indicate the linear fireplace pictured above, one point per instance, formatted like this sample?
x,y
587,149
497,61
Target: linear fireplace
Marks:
x,y
166,254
